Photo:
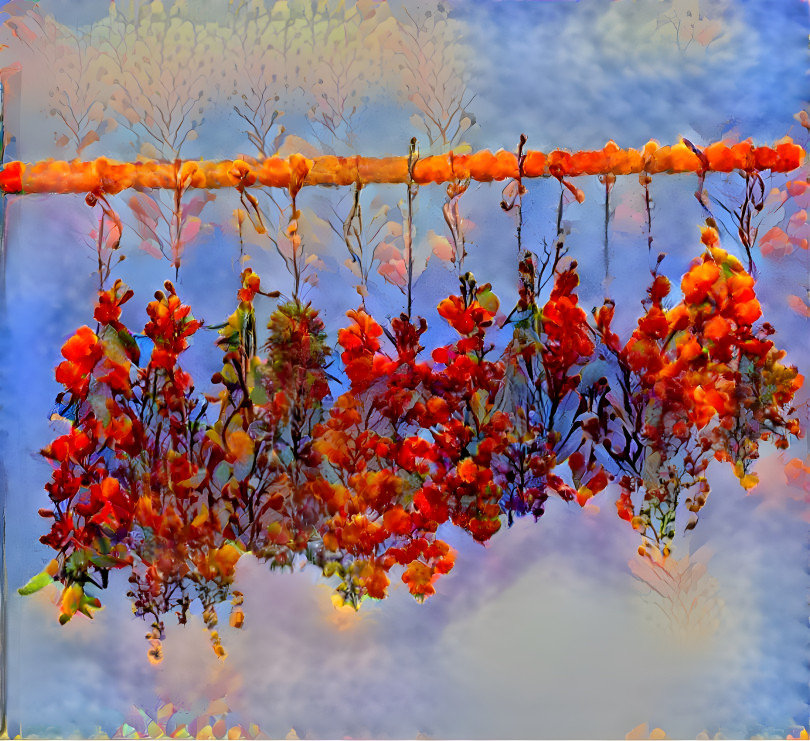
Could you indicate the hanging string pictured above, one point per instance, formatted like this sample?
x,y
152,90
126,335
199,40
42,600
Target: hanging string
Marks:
x,y
608,181
413,189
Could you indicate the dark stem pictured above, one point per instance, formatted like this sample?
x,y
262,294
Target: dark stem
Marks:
x,y
607,224
648,208
413,156
410,250
296,267
101,276
521,159
178,194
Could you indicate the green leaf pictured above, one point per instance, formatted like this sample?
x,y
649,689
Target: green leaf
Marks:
x,y
222,473
130,345
487,299
259,396
88,604
70,601
104,562
77,563
40,581
229,374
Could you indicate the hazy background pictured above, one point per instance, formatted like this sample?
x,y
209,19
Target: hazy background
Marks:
x,y
545,632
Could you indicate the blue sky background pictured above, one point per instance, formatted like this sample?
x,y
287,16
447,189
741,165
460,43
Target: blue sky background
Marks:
x,y
544,633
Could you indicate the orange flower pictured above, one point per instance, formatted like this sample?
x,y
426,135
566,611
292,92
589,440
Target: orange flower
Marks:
x,y
460,318
747,312
82,352
483,530
467,471
375,580
689,349
678,318
654,324
237,619
361,334
397,520
81,346
604,318
240,447
716,328
659,289
699,280
741,287
251,285
681,430
709,236
420,578
224,559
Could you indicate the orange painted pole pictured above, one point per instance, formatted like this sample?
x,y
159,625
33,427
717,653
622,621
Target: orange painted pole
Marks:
x,y
107,176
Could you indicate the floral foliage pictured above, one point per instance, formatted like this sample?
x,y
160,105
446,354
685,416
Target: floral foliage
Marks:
x,y
695,382
149,480
549,347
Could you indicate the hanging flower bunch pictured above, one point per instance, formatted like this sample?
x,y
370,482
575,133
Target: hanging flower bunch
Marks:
x,y
174,486
694,382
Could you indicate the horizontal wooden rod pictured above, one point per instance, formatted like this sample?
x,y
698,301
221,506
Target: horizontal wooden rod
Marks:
x,y
107,176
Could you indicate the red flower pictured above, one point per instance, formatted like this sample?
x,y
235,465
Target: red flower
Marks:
x,y
170,326
82,352
604,318
466,319
420,579
108,307
60,533
430,502
624,506
73,446
251,285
